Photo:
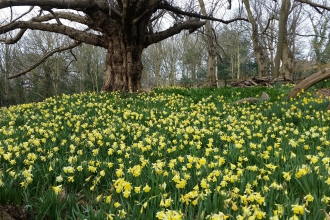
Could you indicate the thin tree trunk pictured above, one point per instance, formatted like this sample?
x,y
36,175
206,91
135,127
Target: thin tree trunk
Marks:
x,y
97,73
238,61
282,32
157,74
7,66
193,73
232,66
271,46
211,61
56,78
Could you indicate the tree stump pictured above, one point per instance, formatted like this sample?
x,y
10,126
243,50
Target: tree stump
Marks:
x,y
264,97
309,82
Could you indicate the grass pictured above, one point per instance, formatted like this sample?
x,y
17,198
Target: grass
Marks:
x,y
172,154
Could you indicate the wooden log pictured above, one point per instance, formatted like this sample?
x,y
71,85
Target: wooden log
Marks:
x,y
309,82
252,82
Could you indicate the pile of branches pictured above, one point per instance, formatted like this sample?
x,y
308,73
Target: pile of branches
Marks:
x,y
260,81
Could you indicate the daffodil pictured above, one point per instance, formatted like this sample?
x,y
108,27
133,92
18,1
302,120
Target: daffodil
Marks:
x,y
116,204
146,188
57,189
298,209
287,176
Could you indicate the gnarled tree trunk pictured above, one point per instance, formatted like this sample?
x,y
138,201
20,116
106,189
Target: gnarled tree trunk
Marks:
x,y
123,66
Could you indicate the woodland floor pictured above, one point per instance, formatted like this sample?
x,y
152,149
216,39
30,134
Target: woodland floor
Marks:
x,y
13,212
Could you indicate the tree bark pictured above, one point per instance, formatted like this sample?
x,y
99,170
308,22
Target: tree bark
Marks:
x,y
212,65
257,47
123,66
287,61
309,81
211,49
282,32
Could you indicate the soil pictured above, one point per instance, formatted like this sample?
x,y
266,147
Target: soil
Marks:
x,y
13,212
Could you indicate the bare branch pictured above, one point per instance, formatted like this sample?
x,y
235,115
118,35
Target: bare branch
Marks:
x,y
154,38
77,35
310,35
79,5
229,2
136,20
19,17
44,18
42,59
176,10
268,23
160,14
15,39
64,15
55,16
71,61
314,5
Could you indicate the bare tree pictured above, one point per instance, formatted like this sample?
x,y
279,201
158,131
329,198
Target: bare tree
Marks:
x,y
193,52
282,35
8,61
320,75
88,64
211,49
256,32
171,61
153,62
123,27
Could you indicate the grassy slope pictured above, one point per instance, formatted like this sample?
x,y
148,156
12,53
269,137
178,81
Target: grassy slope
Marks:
x,y
77,137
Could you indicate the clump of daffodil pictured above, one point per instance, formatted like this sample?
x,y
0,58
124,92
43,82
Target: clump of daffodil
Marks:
x,y
57,189
169,214
219,216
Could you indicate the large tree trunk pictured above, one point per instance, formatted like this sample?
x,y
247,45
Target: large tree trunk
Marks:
x,y
123,66
282,35
257,47
211,49
212,65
